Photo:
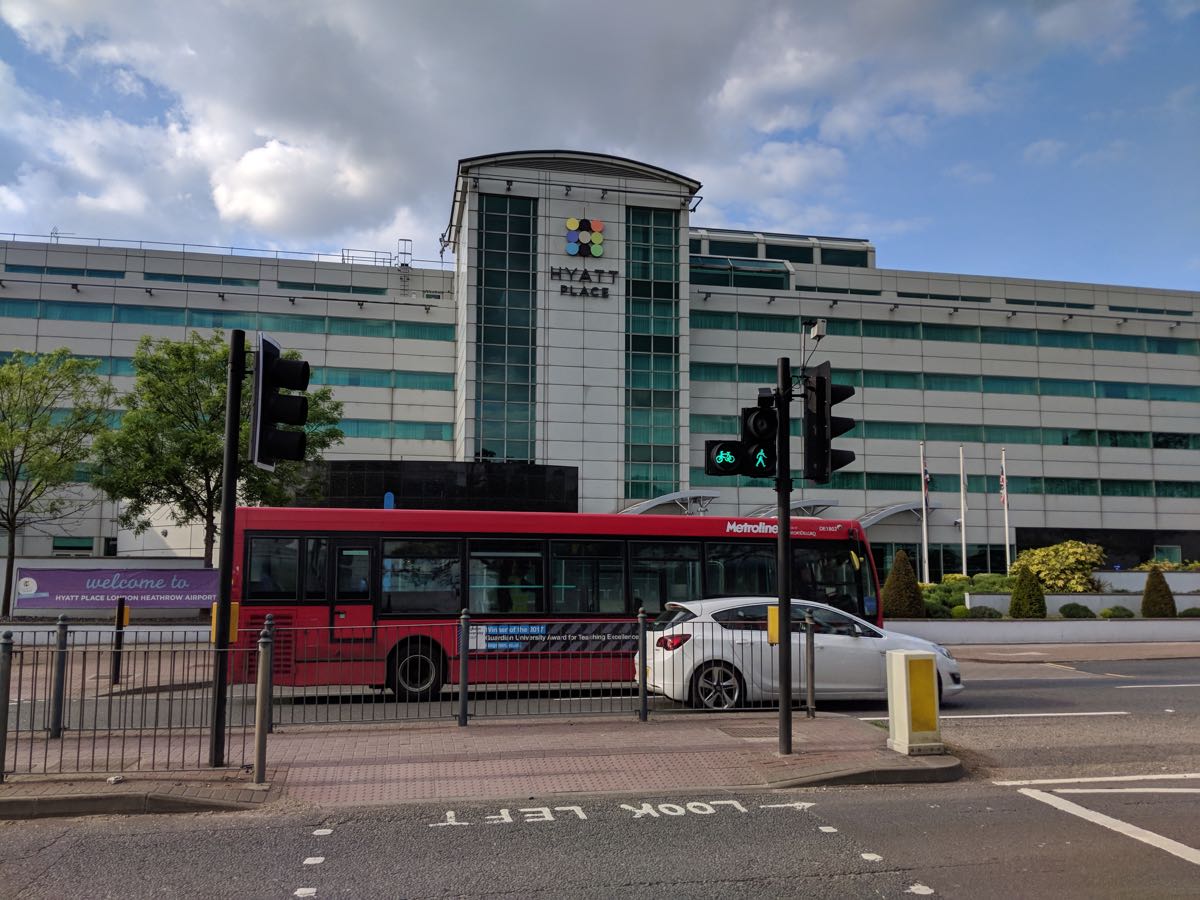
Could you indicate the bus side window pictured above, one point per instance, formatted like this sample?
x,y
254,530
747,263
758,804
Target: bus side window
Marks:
x,y
506,576
315,571
272,567
662,571
421,577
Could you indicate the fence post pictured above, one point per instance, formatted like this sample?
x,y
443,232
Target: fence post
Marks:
x,y
643,705
269,628
6,651
118,642
262,706
464,645
58,696
810,665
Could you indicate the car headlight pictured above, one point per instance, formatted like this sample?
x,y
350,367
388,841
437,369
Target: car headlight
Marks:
x,y
942,650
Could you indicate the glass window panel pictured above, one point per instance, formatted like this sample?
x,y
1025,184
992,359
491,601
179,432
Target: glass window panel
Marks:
x,y
506,577
316,561
938,431
662,571
1170,345
423,431
294,324
1139,439
718,247
215,318
78,312
766,280
1121,390
790,253
1065,339
19,309
1023,337
1132,343
893,330
272,563
851,377
1164,440
894,431
353,573
774,324
1075,486
893,481
739,568
359,327
332,375
366,428
832,256
150,315
1012,434
421,577
1065,387
714,372
935,381
843,327
425,381
910,381
1185,489
1126,487
1005,384
1185,393
1069,437
847,481
968,334
587,577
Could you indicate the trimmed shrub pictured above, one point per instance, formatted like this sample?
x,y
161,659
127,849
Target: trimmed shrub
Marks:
x,y
936,610
1116,612
901,597
992,583
959,612
1028,598
984,612
1192,612
1076,611
1157,600
1188,565
1064,568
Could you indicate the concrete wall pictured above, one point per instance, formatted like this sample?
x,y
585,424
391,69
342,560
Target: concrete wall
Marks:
x,y
1179,582
1094,602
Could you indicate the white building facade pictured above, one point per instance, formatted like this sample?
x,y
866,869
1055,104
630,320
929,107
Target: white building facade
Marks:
x,y
583,319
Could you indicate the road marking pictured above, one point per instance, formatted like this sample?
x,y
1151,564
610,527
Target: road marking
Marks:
x,y
800,806
305,892
1099,779
1127,790
1183,851
919,888
321,832
871,857
1008,716
829,829
1127,687
314,860
1061,666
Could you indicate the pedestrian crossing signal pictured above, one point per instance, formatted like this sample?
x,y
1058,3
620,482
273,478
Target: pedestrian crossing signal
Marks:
x,y
760,428
723,457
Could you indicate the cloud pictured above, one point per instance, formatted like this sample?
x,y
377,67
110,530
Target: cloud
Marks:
x,y
1113,152
970,173
1108,25
1043,152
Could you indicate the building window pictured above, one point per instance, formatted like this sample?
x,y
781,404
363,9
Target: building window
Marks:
x,y
791,253
505,370
833,256
718,247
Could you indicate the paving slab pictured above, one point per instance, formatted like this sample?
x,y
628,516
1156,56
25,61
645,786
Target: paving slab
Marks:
x,y
1042,653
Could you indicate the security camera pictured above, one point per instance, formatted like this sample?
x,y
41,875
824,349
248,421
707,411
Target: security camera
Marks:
x,y
958,523
818,330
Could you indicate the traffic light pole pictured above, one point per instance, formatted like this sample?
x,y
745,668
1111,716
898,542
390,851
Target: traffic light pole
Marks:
x,y
783,489
229,480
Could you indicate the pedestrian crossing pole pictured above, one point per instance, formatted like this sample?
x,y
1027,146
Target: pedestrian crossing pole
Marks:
x,y
783,491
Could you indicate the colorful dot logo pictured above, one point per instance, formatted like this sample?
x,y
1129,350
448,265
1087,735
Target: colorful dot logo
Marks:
x,y
585,237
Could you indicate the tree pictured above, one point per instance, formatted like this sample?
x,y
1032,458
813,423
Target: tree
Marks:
x,y
169,449
901,594
1064,568
1158,602
1028,598
52,407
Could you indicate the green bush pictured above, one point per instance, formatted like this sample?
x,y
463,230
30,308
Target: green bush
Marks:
x,y
901,597
1064,568
1188,565
1116,612
992,583
936,611
1076,611
953,589
1192,612
984,612
959,612
1157,600
1028,598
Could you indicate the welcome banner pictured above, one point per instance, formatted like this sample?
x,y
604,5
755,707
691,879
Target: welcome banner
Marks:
x,y
100,588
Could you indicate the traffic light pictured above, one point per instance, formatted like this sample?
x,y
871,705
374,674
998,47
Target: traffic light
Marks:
x,y
820,427
760,426
723,457
270,408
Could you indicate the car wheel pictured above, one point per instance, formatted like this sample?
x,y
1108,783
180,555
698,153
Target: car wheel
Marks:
x,y
415,671
718,685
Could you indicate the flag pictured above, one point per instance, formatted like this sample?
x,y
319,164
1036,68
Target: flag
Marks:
x,y
926,480
1003,487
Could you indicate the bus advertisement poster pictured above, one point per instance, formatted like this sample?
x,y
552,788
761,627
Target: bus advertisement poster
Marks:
x,y
548,637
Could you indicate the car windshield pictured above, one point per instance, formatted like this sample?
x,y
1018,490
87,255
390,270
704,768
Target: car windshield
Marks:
x,y
672,615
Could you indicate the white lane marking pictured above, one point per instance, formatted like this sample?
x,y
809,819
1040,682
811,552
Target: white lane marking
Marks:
x,y
1099,779
1183,851
919,888
829,829
321,832
314,860
1008,716
1115,675
304,892
1127,790
1129,687
800,806
1169,710
1061,666
871,857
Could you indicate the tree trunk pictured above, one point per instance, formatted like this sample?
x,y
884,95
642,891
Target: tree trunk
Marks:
x,y
210,533
6,607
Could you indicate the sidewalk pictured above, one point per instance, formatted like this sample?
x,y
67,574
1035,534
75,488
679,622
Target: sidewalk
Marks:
x,y
1061,653
499,759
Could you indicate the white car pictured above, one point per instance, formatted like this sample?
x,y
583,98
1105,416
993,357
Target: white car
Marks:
x,y
714,654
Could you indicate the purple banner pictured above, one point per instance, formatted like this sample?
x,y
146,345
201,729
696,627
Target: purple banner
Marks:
x,y
100,588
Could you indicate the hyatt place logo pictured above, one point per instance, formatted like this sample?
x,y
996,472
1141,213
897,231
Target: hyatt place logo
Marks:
x,y
585,237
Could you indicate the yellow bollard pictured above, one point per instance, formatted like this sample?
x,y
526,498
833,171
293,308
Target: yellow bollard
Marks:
x,y
913,727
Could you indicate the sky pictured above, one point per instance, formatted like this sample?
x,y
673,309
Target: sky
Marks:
x,y
1055,139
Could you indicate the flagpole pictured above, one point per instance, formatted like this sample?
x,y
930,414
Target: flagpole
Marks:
x,y
962,506
924,517
1004,500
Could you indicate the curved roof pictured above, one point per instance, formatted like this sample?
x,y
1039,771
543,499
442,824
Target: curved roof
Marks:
x,y
579,162
871,516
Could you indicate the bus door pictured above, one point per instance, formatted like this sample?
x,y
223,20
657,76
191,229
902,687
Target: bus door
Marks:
x,y
352,599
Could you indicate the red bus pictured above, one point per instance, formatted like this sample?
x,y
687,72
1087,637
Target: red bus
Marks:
x,y
375,594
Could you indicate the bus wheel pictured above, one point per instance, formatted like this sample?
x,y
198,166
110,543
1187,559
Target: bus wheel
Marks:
x,y
415,671
718,685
